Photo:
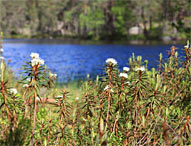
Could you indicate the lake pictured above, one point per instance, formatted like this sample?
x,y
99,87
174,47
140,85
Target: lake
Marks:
x,y
72,61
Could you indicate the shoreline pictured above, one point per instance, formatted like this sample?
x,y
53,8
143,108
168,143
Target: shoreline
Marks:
x,y
67,40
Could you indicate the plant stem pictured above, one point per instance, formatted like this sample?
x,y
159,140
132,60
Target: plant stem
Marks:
x,y
34,118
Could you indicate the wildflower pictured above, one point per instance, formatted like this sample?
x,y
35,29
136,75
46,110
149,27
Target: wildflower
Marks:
x,y
108,88
13,91
126,69
77,98
41,61
28,79
142,68
52,75
1,50
111,61
187,45
25,86
55,75
59,96
1,58
37,61
123,75
37,98
127,82
34,55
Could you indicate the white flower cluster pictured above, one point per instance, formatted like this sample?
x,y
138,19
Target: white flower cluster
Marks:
x,y
52,75
77,98
127,83
126,69
142,68
37,98
123,75
187,45
1,58
108,88
36,60
59,96
34,55
25,86
1,50
13,91
111,61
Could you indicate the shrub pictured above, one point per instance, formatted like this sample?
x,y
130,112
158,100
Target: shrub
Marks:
x,y
134,107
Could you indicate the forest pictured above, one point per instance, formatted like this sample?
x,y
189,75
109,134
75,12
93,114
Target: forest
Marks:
x,y
96,19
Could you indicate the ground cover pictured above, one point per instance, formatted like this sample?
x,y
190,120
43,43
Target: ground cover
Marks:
x,y
135,106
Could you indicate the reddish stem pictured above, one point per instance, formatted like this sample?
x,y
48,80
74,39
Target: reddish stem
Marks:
x,y
9,114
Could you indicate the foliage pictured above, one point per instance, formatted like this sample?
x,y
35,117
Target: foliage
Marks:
x,y
98,19
134,107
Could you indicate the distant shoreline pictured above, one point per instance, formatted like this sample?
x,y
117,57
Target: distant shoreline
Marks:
x,y
69,40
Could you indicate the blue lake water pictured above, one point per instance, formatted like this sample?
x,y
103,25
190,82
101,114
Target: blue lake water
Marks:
x,y
75,61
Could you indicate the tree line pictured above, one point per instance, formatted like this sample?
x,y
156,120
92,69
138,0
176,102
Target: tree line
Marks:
x,y
96,19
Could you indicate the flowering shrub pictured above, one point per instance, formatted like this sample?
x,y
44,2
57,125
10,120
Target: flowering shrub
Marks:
x,y
134,107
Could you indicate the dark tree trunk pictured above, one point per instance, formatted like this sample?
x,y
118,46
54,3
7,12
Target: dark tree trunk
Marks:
x,y
110,29
144,22
166,14
150,24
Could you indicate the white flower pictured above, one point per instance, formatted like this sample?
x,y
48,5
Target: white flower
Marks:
x,y
41,61
34,62
52,75
127,82
25,86
77,98
59,96
34,55
124,75
13,91
126,69
37,98
28,79
108,88
55,75
1,50
187,45
112,61
142,68
1,58
37,61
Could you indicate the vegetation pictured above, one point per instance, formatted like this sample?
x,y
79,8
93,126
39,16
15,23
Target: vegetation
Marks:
x,y
133,107
97,19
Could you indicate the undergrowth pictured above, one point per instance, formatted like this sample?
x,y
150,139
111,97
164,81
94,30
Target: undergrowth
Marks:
x,y
134,107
